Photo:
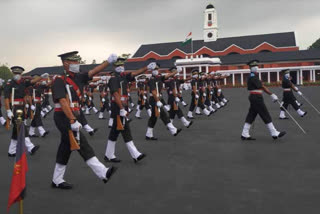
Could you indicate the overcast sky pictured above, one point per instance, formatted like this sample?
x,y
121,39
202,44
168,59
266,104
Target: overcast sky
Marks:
x,y
34,32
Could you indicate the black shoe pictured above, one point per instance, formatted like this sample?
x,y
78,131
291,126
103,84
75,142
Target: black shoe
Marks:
x,y
44,134
198,114
63,185
113,160
109,173
151,138
247,138
304,114
34,150
136,160
178,131
139,118
185,105
283,118
94,131
102,118
191,122
33,135
11,155
190,117
279,136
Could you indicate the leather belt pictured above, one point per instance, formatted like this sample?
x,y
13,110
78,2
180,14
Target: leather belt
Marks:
x,y
256,92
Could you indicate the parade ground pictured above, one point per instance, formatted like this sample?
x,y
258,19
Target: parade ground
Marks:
x,y
205,169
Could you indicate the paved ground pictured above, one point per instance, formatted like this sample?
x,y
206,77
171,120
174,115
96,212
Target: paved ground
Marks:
x,y
206,169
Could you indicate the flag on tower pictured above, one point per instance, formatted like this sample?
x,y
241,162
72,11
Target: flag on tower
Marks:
x,y
188,39
18,182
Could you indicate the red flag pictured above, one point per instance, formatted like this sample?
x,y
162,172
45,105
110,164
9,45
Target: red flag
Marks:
x,y
18,182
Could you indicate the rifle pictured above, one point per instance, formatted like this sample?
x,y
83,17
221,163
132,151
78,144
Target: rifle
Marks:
x,y
74,144
157,110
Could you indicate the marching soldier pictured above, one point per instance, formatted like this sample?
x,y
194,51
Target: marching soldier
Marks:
x,y
194,93
288,97
118,84
104,97
36,123
66,93
257,106
2,120
157,107
142,96
14,94
174,100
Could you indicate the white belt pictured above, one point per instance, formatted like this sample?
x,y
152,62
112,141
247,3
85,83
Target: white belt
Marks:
x,y
256,91
75,105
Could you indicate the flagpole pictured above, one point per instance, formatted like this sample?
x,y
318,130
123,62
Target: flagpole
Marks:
x,y
21,206
191,48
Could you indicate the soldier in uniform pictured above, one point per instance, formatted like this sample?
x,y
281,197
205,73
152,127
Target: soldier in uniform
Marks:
x,y
157,107
257,106
36,123
194,92
104,97
118,84
66,94
46,107
2,120
288,97
142,96
174,100
14,94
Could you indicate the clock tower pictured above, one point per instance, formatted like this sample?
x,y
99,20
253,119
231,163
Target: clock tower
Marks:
x,y
210,29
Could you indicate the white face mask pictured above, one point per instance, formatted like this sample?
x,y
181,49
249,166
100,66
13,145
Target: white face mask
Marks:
x,y
43,83
119,69
74,68
194,76
17,77
155,72
254,69
287,76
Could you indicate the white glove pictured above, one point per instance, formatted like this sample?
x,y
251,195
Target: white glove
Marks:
x,y
197,96
204,94
274,98
90,98
76,126
112,58
103,100
144,97
9,114
103,78
45,75
85,96
152,66
211,92
299,92
159,104
123,112
179,69
33,107
27,105
177,99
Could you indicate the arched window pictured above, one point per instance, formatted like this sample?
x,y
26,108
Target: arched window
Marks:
x,y
176,57
151,59
233,53
205,55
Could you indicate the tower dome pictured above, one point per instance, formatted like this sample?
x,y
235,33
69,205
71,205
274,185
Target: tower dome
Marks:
x,y
210,6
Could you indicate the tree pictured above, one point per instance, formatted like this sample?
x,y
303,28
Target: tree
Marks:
x,y
316,44
5,72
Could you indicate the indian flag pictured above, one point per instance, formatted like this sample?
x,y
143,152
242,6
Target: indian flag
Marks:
x,y
188,39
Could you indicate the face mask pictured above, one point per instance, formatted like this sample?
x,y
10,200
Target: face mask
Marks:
x,y
155,72
17,77
43,83
287,76
119,69
254,69
194,76
74,68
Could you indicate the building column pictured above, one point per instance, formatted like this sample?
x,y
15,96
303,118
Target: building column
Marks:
x,y
225,81
207,69
259,75
278,76
184,73
269,77
301,76
311,75
298,82
314,76
241,78
233,79
200,69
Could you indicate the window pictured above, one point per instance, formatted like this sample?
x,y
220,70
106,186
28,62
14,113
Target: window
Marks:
x,y
233,53
264,51
210,17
